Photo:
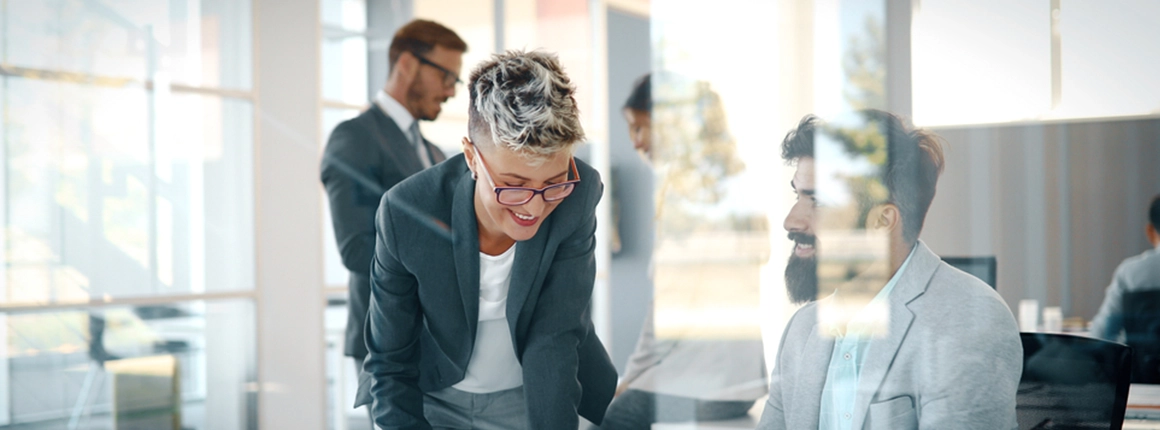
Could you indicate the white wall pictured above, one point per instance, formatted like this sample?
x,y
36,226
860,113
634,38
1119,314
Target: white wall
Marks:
x,y
288,212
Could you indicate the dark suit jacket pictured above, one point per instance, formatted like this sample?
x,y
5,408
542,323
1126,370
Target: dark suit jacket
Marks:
x,y
365,157
425,302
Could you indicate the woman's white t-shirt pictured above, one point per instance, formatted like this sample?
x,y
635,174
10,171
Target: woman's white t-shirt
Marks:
x,y
493,365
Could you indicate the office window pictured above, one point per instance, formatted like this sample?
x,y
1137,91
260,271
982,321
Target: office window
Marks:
x,y
978,62
1110,57
344,95
127,175
344,51
475,24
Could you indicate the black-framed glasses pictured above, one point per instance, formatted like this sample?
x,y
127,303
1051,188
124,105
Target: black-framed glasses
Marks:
x,y
517,196
449,78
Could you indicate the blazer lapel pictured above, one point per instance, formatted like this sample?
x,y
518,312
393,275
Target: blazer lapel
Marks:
x,y
526,273
880,354
465,241
807,396
395,142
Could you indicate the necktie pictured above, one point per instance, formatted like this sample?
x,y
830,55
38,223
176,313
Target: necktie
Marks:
x,y
420,148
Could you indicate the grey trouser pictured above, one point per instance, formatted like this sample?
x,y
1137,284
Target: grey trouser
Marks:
x,y
454,409
638,410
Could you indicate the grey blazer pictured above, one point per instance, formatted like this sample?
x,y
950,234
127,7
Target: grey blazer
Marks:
x,y
364,157
952,359
425,302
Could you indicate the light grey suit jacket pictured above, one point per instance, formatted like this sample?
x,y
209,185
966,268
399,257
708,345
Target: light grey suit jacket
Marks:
x,y
952,359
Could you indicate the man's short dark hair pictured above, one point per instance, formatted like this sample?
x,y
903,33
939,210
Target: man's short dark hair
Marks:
x,y
420,37
1154,213
641,97
914,160
799,142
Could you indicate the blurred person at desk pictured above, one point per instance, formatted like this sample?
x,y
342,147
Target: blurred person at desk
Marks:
x,y
891,337
688,377
484,267
1137,273
367,155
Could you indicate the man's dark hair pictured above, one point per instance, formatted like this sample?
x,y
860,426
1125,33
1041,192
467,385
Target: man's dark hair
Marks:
x,y
913,162
799,142
420,37
1154,213
641,97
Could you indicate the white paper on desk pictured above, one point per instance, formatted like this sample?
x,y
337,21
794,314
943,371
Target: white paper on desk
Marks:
x,y
1143,402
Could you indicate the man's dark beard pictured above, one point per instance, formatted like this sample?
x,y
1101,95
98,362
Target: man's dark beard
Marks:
x,y
801,274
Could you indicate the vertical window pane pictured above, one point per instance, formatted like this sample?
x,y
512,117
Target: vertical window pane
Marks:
x,y
712,164
475,23
980,61
1110,58
120,192
344,51
346,14
344,66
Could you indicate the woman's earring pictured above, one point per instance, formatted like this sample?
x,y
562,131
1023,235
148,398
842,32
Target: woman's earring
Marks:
x,y
474,177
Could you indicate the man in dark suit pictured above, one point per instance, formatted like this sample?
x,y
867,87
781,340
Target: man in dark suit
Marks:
x,y
484,266
369,154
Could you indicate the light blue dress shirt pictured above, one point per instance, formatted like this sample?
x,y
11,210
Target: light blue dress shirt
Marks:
x,y
841,389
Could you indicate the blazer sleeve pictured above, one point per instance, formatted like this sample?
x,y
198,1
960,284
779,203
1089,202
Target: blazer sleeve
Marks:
x,y
551,358
972,369
393,323
350,167
773,416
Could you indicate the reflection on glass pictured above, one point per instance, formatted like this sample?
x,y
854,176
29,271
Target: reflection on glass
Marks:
x,y
341,371
108,197
707,254
197,43
474,22
711,157
851,164
344,51
147,366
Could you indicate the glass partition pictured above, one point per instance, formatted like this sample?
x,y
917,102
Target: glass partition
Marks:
x,y
144,366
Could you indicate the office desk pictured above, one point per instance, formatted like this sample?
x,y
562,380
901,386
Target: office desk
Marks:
x,y
1143,407
1141,425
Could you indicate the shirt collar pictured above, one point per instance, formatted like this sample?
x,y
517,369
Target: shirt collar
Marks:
x,y
395,110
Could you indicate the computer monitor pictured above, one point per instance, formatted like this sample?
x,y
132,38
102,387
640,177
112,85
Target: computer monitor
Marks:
x,y
983,268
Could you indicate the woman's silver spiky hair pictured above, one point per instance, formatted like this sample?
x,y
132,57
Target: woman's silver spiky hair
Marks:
x,y
526,103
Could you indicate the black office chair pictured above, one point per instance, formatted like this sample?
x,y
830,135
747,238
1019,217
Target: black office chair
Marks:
x,y
1142,332
1072,382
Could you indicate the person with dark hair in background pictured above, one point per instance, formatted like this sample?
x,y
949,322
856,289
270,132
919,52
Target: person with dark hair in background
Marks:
x,y
1137,273
367,155
673,380
484,267
638,112
933,347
